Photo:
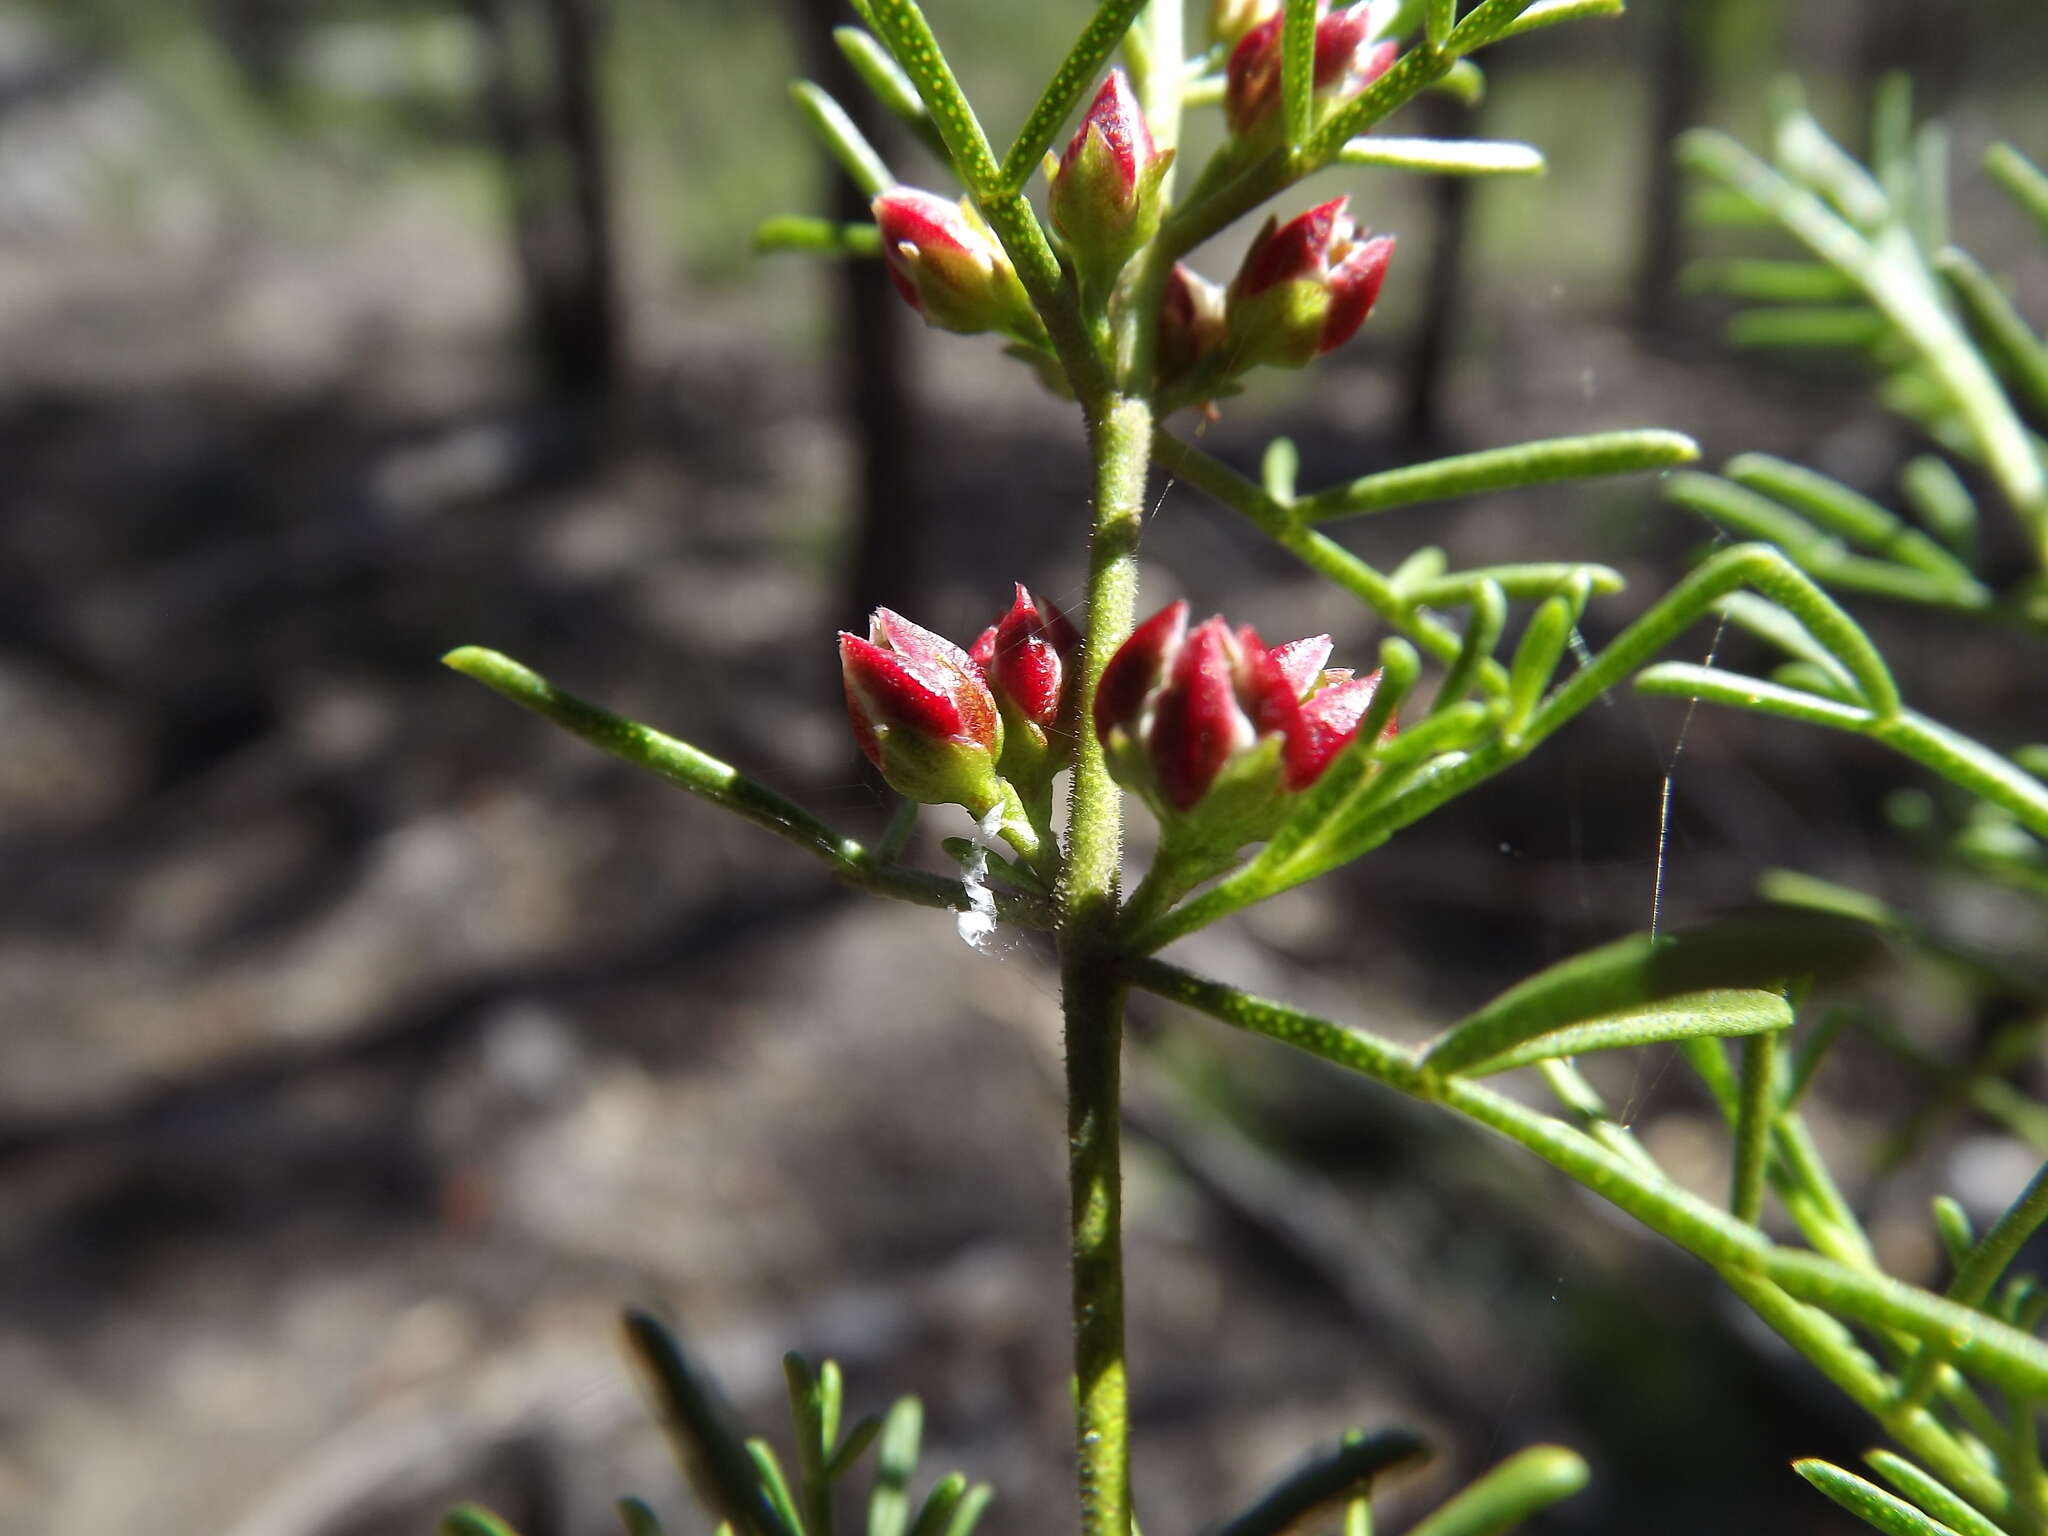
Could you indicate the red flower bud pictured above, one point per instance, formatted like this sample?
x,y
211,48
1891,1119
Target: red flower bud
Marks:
x,y
1029,659
1191,323
922,713
1105,195
949,267
1305,287
1183,713
1346,63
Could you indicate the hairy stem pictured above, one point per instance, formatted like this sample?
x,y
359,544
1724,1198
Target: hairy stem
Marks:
x,y
1092,990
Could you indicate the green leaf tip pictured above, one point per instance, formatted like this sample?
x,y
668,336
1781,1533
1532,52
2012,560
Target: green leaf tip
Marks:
x,y
473,1520
1868,1502
1525,1483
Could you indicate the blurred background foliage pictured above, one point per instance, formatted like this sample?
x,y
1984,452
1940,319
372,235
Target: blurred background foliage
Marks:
x,y
362,1047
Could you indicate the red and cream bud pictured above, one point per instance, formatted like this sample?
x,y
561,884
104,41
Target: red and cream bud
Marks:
x,y
923,714
1347,61
949,267
1191,324
1105,197
1305,287
1215,730
1030,659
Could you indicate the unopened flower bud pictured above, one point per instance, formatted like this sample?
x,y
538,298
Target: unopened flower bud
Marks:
x,y
1191,323
1105,195
1305,287
1029,658
1347,61
1216,732
923,714
949,267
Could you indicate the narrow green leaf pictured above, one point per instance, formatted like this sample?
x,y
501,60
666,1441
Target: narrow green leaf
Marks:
x,y
1423,566
937,1514
1981,1345
1808,325
890,87
1279,468
1519,1487
1723,1014
857,1440
831,1400
889,1503
1548,13
473,1520
1806,153
1768,622
1298,68
719,1466
1715,685
1325,1478
841,136
1464,82
1868,1502
1902,292
1944,503
1932,1495
2022,180
638,1518
968,1512
1536,658
1835,507
902,27
1487,617
1077,71
769,1470
1445,157
1763,949
813,1443
1776,282
2005,335
1499,469
1980,1272
1438,17
823,237
1952,1222
1487,22
1519,583
1755,1110
1927,212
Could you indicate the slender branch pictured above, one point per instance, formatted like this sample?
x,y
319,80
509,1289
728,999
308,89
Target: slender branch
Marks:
x,y
1092,990
724,785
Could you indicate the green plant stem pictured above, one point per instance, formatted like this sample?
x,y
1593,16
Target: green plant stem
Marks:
x,y
724,785
1753,1128
1792,1291
1973,1282
1092,989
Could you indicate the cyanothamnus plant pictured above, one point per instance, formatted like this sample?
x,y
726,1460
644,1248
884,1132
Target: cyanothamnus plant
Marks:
x,y
1266,767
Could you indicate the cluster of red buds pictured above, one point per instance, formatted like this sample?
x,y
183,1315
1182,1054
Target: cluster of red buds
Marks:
x,y
1347,61
1218,733
982,728
1304,287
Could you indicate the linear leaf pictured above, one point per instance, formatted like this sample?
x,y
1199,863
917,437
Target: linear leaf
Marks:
x,y
2004,333
2023,181
889,1503
1548,13
1837,508
1499,469
840,135
1868,1502
1446,157
1752,949
1808,325
1525,1483
1778,282
1517,582
1324,1479
719,1466
823,237
1931,1494
1076,73
1716,685
474,1520
1722,1014
638,1518
1298,67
